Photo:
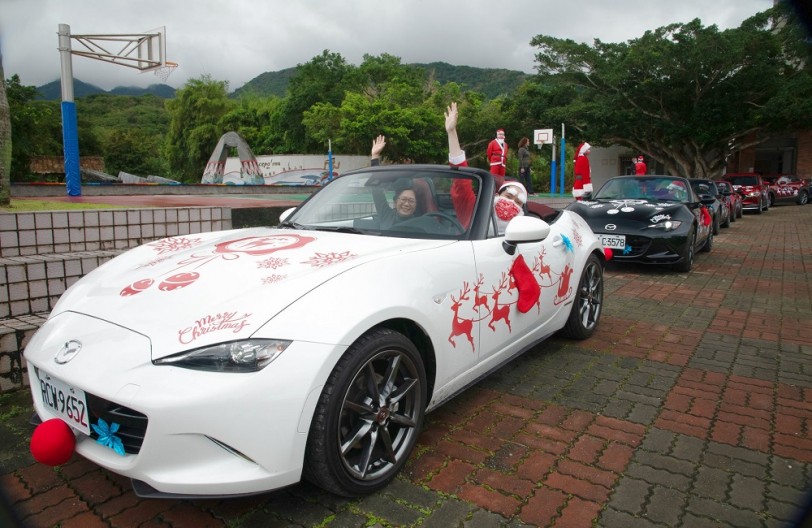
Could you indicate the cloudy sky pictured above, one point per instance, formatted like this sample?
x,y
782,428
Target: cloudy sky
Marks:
x,y
237,40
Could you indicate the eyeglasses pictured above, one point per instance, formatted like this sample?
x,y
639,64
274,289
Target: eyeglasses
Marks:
x,y
410,201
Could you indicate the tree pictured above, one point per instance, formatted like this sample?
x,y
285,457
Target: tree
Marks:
x,y
251,118
36,127
686,95
322,80
194,129
134,151
5,142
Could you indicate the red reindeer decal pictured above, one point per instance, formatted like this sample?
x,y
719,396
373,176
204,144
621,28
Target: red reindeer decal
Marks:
x,y
460,326
543,269
500,312
480,300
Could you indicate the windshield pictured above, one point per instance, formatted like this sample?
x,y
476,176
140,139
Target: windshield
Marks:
x,y
705,187
411,202
662,189
743,180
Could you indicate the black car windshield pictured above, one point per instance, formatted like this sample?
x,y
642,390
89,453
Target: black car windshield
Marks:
x,y
410,203
705,187
664,189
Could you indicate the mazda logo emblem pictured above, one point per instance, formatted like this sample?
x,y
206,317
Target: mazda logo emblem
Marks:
x,y
68,351
610,227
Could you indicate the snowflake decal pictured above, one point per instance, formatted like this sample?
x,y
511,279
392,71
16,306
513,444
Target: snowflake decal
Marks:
x,y
273,279
171,245
272,263
319,260
579,240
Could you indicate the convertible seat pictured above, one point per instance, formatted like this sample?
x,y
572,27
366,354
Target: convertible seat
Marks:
x,y
425,198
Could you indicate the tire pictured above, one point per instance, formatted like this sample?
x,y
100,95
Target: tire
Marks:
x,y
771,201
733,213
740,211
368,416
586,309
760,206
687,262
716,224
803,198
708,245
726,223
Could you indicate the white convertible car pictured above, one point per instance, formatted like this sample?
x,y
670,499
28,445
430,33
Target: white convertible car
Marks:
x,y
241,361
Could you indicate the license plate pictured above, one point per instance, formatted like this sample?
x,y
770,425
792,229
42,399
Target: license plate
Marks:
x,y
68,402
613,241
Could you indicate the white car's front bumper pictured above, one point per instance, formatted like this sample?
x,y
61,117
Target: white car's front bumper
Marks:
x,y
208,433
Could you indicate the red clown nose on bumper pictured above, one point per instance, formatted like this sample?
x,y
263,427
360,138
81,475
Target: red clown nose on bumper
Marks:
x,y
52,442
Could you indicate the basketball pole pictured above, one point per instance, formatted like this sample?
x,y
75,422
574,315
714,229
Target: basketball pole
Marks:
x,y
562,158
70,133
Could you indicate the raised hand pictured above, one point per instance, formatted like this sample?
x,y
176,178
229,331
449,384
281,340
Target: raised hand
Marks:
x,y
377,146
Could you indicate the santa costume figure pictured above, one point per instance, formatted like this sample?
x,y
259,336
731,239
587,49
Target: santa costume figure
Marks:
x,y
640,168
583,181
497,156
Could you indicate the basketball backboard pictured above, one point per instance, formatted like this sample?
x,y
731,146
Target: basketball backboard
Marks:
x,y
542,136
152,49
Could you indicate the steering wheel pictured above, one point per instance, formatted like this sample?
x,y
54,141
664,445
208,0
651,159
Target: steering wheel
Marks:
x,y
448,219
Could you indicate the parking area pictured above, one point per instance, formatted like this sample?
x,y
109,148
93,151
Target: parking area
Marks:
x,y
691,406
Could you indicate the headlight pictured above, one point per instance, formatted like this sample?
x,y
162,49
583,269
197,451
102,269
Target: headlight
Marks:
x,y
250,355
753,194
668,225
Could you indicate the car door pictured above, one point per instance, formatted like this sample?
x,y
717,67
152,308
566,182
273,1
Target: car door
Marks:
x,y
504,329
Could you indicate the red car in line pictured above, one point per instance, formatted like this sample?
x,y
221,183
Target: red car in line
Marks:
x,y
733,199
785,188
754,192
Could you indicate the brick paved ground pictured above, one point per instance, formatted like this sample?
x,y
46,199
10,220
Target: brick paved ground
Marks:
x,y
692,406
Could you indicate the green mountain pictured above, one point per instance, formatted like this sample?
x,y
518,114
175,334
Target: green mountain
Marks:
x,y
159,90
490,81
268,83
53,90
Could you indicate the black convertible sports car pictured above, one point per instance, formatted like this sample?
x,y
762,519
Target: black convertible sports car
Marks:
x,y
649,219
719,210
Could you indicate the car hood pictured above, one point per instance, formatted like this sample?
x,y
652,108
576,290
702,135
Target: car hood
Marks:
x,y
614,211
194,290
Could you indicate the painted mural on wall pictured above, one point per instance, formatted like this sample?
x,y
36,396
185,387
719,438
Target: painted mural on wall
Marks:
x,y
291,169
294,169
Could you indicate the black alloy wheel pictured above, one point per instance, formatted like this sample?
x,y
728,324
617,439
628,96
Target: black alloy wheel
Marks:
x,y
369,415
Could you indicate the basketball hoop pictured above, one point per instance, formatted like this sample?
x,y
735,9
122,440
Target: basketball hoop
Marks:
x,y
163,72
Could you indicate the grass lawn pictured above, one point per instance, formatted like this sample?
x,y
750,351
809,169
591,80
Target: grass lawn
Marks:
x,y
21,206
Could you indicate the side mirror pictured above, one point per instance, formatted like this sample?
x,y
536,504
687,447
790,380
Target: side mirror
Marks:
x,y
707,199
587,196
286,213
524,229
